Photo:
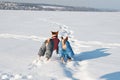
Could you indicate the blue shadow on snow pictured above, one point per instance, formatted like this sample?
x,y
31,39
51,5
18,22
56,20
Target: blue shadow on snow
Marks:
x,y
84,56
68,72
111,76
97,53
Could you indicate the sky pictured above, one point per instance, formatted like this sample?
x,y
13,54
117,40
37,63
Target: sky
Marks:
x,y
105,4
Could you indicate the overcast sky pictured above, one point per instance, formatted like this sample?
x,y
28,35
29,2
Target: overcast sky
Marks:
x,y
107,4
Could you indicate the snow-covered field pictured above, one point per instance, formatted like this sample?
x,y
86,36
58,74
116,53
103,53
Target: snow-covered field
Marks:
x,y
94,36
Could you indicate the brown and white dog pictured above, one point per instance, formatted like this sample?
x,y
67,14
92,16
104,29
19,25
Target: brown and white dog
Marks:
x,y
65,50
49,46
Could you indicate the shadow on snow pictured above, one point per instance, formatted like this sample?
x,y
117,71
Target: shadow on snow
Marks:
x,y
68,72
111,76
97,53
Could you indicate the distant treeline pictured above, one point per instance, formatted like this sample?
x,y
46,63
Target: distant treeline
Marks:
x,y
45,7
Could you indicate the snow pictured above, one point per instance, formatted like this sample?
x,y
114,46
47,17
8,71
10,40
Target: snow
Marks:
x,y
94,37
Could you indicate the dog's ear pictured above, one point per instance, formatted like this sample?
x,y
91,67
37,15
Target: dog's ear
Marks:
x,y
66,38
62,38
51,32
57,32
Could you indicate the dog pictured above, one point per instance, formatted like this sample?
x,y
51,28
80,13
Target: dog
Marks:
x,y
65,50
49,45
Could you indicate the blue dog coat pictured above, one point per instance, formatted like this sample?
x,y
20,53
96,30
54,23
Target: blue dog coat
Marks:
x,y
68,53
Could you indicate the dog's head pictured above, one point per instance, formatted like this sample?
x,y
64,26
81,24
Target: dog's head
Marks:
x,y
54,34
64,39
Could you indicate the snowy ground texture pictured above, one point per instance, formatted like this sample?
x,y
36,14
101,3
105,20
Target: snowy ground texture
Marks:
x,y
95,38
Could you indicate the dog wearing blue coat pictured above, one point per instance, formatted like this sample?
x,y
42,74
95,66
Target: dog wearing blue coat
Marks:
x,y
65,50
